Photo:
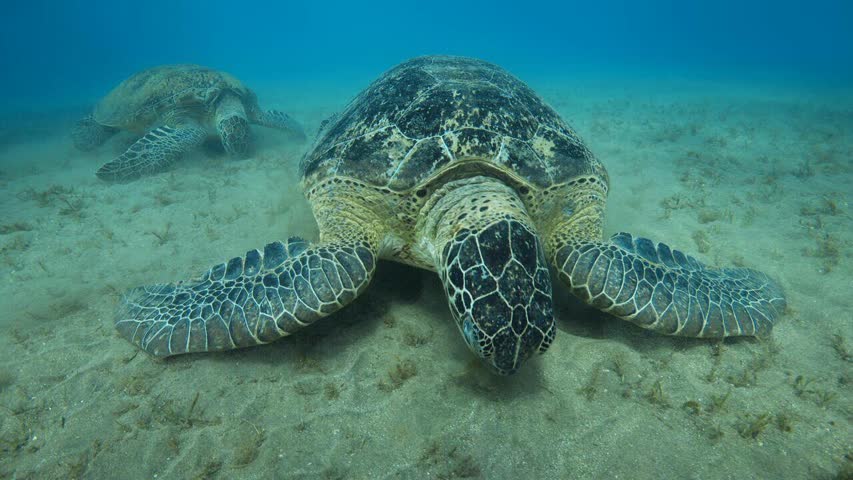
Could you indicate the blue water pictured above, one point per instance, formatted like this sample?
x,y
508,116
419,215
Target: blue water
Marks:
x,y
59,52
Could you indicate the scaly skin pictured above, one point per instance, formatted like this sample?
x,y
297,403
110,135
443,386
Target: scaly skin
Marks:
x,y
250,300
664,290
89,134
494,271
154,152
279,121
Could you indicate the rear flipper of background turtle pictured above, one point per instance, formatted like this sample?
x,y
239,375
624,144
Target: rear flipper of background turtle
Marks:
x,y
280,121
247,301
89,134
666,291
152,153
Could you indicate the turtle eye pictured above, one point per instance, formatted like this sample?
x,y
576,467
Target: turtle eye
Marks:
x,y
469,330
472,335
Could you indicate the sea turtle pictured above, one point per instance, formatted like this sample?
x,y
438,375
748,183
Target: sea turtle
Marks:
x,y
453,165
174,107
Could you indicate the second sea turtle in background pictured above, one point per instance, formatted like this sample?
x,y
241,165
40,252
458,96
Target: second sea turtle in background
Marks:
x,y
175,108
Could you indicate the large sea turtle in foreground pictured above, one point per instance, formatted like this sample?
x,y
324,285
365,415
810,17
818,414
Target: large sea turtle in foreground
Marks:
x,y
453,165
174,108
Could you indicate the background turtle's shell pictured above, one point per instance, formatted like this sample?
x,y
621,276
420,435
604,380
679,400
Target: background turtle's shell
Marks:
x,y
430,113
141,100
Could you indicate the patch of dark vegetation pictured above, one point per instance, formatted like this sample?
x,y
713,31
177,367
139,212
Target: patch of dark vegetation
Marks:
x,y
656,395
746,378
72,206
307,387
708,215
79,467
846,471
184,417
619,365
45,198
447,462
823,398
15,227
122,409
21,338
590,388
7,379
334,473
163,198
397,376
15,432
702,178
801,385
715,433
164,235
680,201
717,349
173,443
718,402
692,406
703,243
414,339
751,426
11,251
306,363
804,170
826,205
715,405
139,383
840,346
761,360
784,422
249,448
804,387
69,203
332,391
827,250
208,470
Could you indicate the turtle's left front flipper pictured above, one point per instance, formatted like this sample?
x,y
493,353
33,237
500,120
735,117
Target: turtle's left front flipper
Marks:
x,y
152,153
280,121
89,134
667,291
248,300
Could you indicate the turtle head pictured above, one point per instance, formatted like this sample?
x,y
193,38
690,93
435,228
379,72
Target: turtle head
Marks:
x,y
495,274
233,126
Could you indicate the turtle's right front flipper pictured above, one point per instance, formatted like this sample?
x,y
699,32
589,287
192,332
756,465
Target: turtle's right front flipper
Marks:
x,y
152,153
89,134
247,301
280,121
664,290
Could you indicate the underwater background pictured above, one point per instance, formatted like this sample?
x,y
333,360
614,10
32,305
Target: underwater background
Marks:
x,y
726,130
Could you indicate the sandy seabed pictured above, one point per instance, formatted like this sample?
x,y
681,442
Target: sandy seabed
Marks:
x,y
386,388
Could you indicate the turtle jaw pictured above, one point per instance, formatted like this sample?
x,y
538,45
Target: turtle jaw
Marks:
x,y
507,350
